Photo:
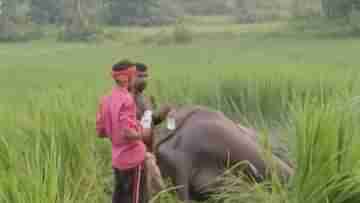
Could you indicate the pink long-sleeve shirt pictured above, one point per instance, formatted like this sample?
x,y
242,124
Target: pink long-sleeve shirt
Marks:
x,y
116,112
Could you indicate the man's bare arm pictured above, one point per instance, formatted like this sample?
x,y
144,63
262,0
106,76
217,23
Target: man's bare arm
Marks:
x,y
161,114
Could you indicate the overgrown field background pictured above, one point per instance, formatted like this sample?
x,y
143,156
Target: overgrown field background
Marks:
x,y
301,88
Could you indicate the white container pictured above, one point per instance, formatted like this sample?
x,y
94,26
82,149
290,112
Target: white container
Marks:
x,y
146,120
171,125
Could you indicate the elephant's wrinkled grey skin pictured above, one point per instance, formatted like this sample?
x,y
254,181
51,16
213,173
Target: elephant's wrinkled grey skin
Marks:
x,y
197,152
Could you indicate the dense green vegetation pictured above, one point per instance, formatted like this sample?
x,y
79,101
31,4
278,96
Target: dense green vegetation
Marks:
x,y
302,87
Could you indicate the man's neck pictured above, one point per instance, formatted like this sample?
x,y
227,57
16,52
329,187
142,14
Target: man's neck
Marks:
x,y
122,88
137,92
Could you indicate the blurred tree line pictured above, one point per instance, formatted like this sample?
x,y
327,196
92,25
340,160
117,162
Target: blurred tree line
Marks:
x,y
339,8
79,19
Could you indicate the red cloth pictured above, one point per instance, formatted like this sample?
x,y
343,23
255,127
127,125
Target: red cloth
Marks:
x,y
116,112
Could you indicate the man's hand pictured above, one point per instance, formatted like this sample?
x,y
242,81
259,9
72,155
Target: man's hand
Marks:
x,y
147,135
165,109
133,135
162,113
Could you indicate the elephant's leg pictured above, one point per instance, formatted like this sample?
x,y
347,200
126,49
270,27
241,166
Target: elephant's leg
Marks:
x,y
205,181
178,167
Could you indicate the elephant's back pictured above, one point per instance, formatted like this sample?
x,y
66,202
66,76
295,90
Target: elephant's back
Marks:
x,y
186,119
209,130
207,127
200,128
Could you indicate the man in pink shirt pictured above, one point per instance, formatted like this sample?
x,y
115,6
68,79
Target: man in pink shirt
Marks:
x,y
116,120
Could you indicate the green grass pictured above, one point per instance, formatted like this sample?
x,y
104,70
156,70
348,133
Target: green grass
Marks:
x,y
306,87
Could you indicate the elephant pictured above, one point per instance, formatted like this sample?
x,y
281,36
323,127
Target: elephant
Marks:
x,y
199,148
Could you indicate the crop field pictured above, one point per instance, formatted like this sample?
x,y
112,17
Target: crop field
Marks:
x,y
305,89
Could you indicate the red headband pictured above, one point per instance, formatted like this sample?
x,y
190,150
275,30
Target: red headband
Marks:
x,y
128,73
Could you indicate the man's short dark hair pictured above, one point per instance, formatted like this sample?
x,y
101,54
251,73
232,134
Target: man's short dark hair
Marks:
x,y
122,65
141,67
